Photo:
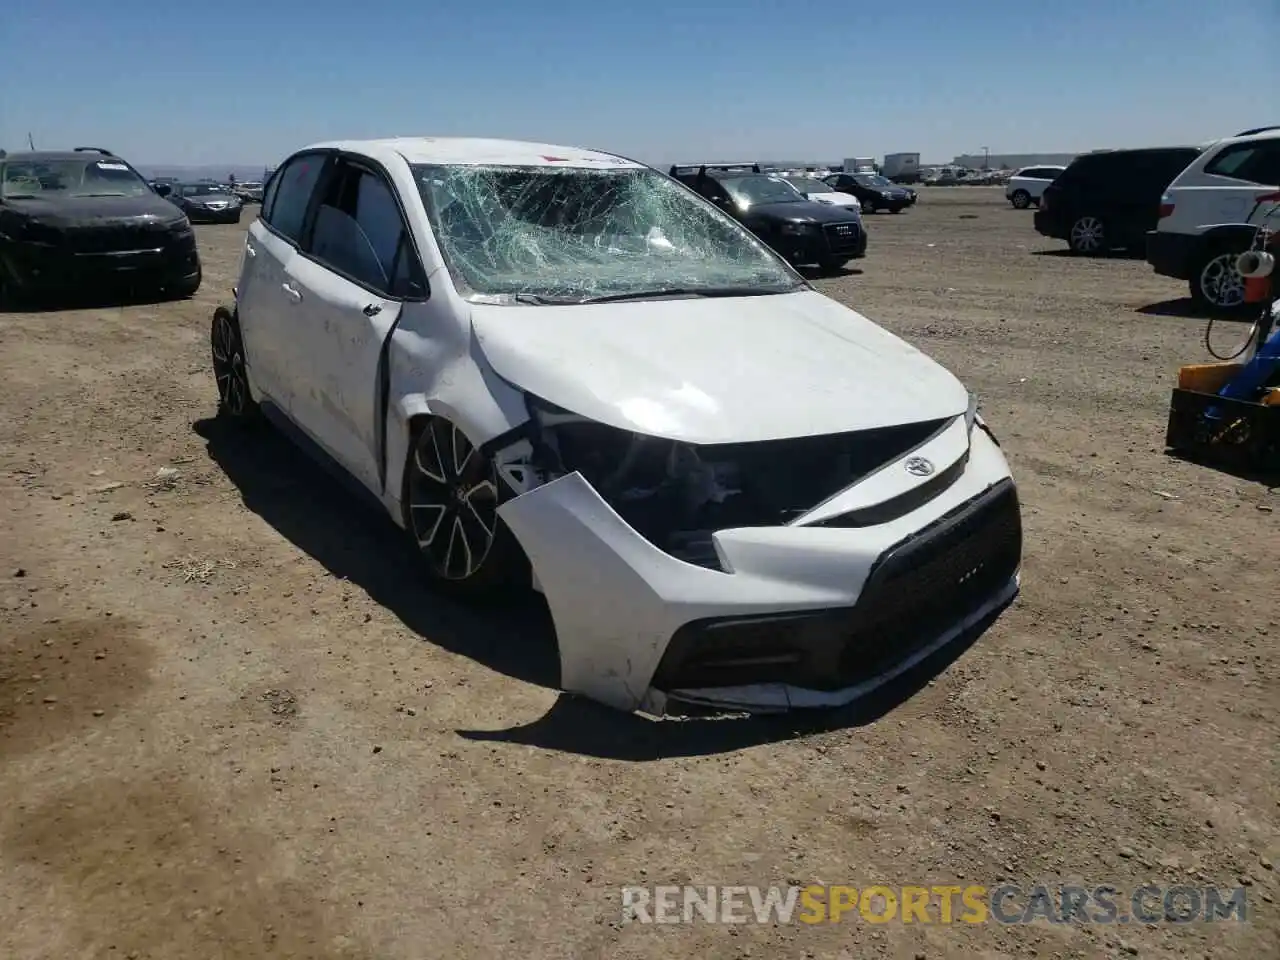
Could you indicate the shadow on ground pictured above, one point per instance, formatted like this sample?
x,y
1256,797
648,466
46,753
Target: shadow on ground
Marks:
x,y
351,539
1186,307
581,726
94,300
1108,255
813,273
323,518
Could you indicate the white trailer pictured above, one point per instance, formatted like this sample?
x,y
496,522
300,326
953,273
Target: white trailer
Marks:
x,y
860,165
901,167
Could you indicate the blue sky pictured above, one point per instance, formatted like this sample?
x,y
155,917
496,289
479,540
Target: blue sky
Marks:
x,y
246,83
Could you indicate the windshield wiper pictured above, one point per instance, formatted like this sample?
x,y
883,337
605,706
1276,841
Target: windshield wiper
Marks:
x,y
541,300
18,196
685,292
101,194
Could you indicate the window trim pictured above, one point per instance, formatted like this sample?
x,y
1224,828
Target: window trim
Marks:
x,y
309,212
1258,147
370,167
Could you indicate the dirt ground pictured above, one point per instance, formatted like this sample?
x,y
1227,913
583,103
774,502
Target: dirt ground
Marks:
x,y
233,723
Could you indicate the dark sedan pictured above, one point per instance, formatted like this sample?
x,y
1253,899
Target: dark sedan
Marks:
x,y
206,202
873,191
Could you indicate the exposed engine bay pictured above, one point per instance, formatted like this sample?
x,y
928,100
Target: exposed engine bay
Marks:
x,y
676,495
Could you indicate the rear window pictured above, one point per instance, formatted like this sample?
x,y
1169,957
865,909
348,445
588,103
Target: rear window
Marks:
x,y
1257,162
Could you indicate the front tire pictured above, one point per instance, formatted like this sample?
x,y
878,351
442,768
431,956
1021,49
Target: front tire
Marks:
x,y
1088,236
1020,199
1216,282
452,492
235,402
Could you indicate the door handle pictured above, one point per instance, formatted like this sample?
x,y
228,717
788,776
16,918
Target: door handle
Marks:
x,y
371,310
294,295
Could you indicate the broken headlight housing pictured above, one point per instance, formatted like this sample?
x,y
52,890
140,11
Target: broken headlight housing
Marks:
x,y
677,495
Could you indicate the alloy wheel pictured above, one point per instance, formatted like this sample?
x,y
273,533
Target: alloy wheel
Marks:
x,y
1087,235
228,367
1221,281
1021,199
453,501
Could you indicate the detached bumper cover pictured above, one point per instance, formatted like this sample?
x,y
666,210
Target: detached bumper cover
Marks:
x,y
800,616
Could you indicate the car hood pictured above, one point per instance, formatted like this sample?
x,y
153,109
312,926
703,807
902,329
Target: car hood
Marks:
x,y
718,370
89,211
808,210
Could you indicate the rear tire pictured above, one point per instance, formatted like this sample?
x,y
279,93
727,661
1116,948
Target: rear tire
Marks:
x,y
1215,282
450,499
235,401
1020,199
1088,236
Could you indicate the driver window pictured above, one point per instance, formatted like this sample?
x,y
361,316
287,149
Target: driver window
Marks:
x,y
359,232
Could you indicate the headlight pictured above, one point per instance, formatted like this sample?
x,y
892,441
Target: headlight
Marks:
x,y
181,226
886,194
796,229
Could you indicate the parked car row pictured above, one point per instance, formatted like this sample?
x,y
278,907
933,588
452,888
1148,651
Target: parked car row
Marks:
x,y
804,231
1192,209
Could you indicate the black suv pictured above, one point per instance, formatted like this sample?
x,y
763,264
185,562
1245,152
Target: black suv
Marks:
x,y
873,191
1110,199
803,231
78,220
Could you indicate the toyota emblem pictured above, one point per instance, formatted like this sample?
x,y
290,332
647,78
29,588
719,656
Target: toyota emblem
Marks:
x,y
919,466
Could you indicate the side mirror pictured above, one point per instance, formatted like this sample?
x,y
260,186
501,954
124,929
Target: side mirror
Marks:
x,y
163,189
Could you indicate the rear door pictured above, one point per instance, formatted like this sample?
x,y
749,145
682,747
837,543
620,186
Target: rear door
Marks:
x,y
262,297
356,269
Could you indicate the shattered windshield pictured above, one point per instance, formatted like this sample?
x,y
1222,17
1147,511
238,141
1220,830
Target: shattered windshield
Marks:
x,y
70,178
753,190
573,234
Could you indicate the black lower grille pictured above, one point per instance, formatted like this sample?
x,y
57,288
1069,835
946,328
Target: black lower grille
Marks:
x,y
925,584
918,590
843,237
114,239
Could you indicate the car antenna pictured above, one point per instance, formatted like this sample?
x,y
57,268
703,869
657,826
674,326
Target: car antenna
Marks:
x,y
31,143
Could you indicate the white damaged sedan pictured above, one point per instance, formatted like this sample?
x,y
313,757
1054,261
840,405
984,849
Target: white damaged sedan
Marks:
x,y
557,367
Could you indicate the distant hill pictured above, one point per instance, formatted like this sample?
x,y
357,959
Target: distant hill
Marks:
x,y
240,171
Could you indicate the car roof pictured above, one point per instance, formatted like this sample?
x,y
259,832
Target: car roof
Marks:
x,y
35,156
470,150
1129,151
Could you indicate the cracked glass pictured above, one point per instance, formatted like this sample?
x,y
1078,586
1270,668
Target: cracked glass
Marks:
x,y
528,234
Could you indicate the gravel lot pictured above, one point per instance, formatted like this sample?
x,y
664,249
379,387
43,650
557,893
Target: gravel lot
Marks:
x,y
234,725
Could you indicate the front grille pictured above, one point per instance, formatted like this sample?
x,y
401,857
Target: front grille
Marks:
x,y
843,237
932,580
115,238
